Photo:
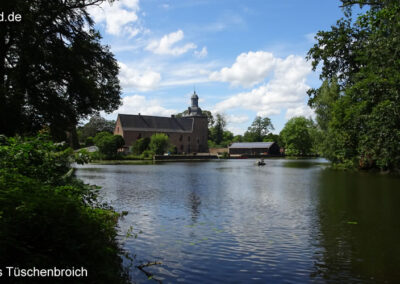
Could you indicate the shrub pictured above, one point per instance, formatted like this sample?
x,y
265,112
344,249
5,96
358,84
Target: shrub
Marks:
x,y
89,141
50,219
140,145
159,143
109,144
225,155
147,154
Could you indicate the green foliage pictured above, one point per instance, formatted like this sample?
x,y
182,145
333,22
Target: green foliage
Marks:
x,y
109,144
89,141
357,106
296,136
140,145
54,70
258,129
82,157
211,144
37,158
225,155
238,138
270,137
50,219
217,131
159,143
172,149
147,154
95,125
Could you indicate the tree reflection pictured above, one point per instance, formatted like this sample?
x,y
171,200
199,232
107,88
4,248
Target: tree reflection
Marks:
x,y
357,218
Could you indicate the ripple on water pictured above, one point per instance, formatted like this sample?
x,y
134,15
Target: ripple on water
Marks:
x,y
228,221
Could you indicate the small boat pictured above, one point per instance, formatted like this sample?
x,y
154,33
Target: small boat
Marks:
x,y
261,162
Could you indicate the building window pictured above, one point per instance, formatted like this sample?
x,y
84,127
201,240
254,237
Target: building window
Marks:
x,y
181,147
189,138
139,136
198,141
180,138
117,129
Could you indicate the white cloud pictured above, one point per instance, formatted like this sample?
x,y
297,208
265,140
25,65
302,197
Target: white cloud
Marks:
x,y
166,45
286,89
138,80
249,69
202,53
236,130
139,104
237,118
302,110
118,16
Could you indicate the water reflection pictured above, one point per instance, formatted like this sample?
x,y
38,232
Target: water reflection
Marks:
x,y
359,227
230,221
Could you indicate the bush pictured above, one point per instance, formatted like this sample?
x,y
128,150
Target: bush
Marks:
x,y
50,219
89,141
140,145
159,143
148,154
225,155
109,144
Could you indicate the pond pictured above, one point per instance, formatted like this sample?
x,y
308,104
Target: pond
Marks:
x,y
232,221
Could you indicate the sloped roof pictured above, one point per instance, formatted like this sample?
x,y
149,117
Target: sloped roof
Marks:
x,y
251,145
155,123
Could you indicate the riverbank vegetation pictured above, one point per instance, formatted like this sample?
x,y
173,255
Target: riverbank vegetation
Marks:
x,y
358,103
48,218
54,72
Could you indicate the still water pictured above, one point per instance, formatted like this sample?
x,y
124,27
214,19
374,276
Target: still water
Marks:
x,y
292,221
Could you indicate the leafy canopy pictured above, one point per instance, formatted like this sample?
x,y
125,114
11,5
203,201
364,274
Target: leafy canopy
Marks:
x,y
53,70
360,113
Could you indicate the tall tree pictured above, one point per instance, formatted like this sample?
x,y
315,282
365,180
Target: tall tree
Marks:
x,y
53,70
363,55
258,129
297,137
217,131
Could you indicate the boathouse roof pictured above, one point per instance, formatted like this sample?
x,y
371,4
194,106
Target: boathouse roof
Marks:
x,y
251,145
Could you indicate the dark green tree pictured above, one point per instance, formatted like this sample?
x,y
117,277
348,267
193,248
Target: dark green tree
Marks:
x,y
258,129
296,136
140,145
53,71
109,144
270,137
95,125
217,131
363,55
51,219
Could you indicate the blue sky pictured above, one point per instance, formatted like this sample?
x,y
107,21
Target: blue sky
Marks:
x,y
244,58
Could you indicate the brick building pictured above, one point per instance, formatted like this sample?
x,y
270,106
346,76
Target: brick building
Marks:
x,y
189,133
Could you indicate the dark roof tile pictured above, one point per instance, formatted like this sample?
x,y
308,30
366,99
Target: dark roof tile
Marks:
x,y
156,123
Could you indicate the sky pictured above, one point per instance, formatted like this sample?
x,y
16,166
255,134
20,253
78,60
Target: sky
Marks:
x,y
243,58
